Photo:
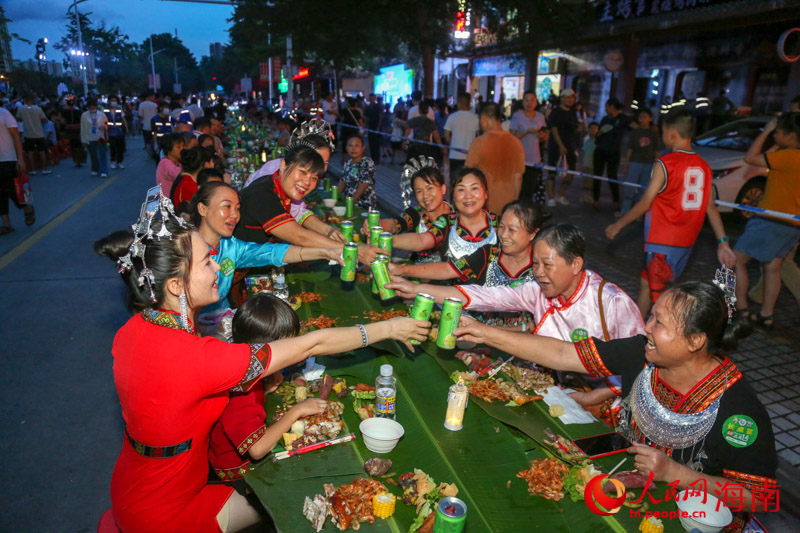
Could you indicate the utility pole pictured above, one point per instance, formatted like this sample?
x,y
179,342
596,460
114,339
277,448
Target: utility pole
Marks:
x,y
269,44
153,63
289,74
80,47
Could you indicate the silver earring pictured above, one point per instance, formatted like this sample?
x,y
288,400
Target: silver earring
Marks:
x,y
184,311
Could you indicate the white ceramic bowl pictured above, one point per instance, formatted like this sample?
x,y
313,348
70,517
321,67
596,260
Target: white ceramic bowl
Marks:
x,y
329,202
381,434
703,516
340,210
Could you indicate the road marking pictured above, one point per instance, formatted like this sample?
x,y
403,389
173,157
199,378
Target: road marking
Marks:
x,y
42,232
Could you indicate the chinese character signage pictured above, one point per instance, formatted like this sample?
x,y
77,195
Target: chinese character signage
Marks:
x,y
622,10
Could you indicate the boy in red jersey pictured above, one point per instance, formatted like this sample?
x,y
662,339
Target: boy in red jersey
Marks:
x,y
675,203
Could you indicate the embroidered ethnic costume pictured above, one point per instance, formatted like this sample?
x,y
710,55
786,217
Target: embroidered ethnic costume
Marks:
x,y
718,427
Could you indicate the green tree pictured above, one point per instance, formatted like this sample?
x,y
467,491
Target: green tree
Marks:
x,y
113,53
5,35
122,65
174,52
350,37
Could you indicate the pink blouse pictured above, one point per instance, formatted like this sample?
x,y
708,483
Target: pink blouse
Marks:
x,y
166,173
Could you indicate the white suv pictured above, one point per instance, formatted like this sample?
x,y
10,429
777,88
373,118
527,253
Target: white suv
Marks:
x,y
724,149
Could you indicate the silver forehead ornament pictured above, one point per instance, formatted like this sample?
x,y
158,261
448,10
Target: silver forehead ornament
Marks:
x,y
414,165
315,126
155,206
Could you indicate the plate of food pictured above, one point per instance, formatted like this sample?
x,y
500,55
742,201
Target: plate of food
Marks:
x,y
346,505
545,478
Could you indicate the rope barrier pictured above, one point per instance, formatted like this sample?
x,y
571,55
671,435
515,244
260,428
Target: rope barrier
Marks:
x,y
741,207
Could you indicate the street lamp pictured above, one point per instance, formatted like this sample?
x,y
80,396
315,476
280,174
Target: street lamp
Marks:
x,y
80,46
152,61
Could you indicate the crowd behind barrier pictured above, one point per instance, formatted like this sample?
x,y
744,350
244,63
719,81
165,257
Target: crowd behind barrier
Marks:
x,y
542,166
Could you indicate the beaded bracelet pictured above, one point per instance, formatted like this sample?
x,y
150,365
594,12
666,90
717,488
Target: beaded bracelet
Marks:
x,y
364,337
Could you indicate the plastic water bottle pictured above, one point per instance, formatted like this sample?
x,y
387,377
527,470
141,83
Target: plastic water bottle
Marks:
x,y
280,288
385,393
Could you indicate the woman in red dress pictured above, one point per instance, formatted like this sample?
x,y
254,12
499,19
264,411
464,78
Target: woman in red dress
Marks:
x,y
174,385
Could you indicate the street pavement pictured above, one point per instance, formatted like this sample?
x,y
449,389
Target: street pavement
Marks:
x,y
60,422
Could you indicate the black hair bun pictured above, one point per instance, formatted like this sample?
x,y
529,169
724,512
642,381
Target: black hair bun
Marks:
x,y
114,245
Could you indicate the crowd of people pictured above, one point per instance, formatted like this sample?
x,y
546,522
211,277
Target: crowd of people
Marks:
x,y
478,232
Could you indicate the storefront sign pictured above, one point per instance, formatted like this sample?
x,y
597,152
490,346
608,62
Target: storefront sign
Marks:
x,y
783,49
462,21
303,73
510,65
621,10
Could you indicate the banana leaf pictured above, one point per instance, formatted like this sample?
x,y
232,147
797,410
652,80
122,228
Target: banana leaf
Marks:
x,y
531,420
461,457
482,459
347,302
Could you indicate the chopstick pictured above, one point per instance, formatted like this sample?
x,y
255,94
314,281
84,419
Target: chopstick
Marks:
x,y
291,453
617,467
494,371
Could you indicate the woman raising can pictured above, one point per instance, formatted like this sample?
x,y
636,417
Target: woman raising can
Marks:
x,y
173,385
690,413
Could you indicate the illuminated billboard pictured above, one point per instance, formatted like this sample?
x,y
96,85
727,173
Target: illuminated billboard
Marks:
x,y
394,82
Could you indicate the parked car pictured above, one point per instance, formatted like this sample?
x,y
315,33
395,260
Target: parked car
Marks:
x,y
724,149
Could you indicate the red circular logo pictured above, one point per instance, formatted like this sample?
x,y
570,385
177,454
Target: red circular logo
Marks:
x,y
598,501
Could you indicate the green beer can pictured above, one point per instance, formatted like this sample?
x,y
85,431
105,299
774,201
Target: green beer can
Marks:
x,y
327,184
375,235
451,316
380,274
348,202
421,310
347,230
350,257
373,218
385,259
335,193
451,516
385,241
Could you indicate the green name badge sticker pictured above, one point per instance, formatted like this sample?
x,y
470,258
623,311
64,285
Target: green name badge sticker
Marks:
x,y
579,335
227,266
740,431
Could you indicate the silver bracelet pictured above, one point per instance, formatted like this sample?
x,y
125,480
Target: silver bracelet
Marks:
x,y
364,337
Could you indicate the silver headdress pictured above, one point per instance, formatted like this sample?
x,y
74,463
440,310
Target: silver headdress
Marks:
x,y
315,126
156,204
725,279
412,167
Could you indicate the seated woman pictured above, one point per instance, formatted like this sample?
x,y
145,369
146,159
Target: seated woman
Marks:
x,y
215,213
173,386
412,230
266,204
470,236
568,301
315,134
193,161
509,265
684,399
241,434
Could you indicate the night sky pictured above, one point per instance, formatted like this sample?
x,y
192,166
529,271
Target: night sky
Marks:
x,y
198,24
